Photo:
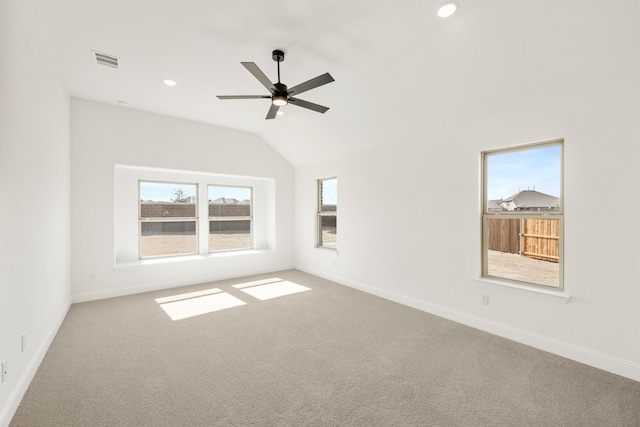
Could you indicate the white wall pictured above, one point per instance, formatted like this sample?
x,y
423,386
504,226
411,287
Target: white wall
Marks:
x,y
34,208
103,136
428,254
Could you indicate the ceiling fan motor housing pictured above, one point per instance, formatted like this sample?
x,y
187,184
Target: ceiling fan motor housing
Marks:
x,y
280,96
281,89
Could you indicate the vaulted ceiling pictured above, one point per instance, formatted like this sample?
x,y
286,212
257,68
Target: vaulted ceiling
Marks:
x,y
400,70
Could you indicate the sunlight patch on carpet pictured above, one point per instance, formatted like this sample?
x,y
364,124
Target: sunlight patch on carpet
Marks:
x,y
183,309
190,304
257,282
188,295
274,290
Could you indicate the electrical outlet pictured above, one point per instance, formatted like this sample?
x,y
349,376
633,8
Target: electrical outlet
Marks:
x,y
92,276
484,299
23,341
4,369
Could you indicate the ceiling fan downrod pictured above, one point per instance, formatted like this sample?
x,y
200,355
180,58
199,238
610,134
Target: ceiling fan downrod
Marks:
x,y
278,56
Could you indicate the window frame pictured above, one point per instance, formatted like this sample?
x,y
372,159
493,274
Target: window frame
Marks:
x,y
234,218
553,215
193,219
321,214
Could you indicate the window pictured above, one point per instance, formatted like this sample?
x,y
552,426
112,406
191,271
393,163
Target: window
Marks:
x,y
522,239
168,217
328,213
162,214
230,218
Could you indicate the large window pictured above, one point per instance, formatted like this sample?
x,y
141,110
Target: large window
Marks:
x,y
328,213
230,218
168,216
523,214
162,214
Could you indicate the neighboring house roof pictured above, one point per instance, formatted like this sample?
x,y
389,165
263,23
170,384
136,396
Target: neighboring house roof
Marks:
x,y
527,199
494,205
224,201
189,200
229,201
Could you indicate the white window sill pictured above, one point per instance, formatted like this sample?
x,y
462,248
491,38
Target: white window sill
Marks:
x,y
183,258
546,294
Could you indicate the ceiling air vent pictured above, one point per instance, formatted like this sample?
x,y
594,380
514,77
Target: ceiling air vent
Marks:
x,y
105,59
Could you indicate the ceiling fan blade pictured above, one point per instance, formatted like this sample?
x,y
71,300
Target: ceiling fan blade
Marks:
x,y
258,74
242,96
272,112
311,84
307,104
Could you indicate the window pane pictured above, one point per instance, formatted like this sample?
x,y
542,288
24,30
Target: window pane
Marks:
x,y
328,231
229,201
524,249
327,212
328,195
524,180
167,200
168,238
230,235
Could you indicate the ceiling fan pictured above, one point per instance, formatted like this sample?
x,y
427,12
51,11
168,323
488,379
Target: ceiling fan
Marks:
x,y
280,94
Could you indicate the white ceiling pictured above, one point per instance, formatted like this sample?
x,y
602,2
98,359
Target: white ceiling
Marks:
x,y
399,69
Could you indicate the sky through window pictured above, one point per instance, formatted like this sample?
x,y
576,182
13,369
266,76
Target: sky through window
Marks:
x,y
538,169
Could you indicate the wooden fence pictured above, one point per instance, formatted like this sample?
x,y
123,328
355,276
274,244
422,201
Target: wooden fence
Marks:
x,y
533,238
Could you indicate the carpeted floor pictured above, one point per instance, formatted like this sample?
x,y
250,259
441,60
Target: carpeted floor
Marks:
x,y
327,356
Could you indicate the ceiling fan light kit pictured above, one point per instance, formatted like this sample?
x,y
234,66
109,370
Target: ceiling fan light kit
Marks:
x,y
279,100
281,95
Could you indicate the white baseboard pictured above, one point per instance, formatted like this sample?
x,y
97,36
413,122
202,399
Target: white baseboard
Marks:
x,y
119,292
10,407
589,357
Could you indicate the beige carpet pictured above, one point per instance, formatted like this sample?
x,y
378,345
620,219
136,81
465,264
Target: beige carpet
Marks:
x,y
328,356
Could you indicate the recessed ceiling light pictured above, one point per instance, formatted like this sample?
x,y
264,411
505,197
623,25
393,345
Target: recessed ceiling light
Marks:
x,y
280,113
447,9
123,103
169,82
